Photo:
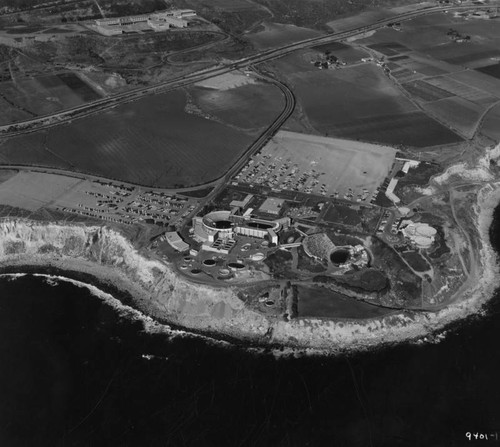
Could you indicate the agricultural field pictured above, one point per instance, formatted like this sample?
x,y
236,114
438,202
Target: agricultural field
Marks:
x,y
491,70
270,35
11,114
428,35
45,94
425,92
490,125
458,85
153,141
359,102
459,113
230,97
320,165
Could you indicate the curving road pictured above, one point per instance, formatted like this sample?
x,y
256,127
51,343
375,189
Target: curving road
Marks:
x,y
35,124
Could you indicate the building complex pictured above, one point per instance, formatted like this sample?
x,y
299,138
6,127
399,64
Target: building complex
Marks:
x,y
158,21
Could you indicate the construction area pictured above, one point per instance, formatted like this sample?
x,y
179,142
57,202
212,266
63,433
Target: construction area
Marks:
x,y
312,164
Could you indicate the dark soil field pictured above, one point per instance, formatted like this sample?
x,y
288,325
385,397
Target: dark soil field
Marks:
x,y
416,261
491,70
343,215
234,106
409,129
151,142
420,175
405,285
317,302
83,90
360,103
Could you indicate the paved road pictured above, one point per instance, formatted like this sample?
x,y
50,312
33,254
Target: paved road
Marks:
x,y
35,124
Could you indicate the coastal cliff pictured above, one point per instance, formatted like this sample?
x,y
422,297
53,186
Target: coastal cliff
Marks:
x,y
158,291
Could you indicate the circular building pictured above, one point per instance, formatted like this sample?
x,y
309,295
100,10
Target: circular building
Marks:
x,y
218,221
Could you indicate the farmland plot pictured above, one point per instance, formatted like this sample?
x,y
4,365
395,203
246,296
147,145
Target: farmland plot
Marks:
x,y
152,142
458,113
360,103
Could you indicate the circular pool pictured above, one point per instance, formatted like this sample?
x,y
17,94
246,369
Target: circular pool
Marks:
x,y
236,266
340,256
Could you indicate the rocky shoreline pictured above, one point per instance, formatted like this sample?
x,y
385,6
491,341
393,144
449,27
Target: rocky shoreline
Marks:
x,y
157,291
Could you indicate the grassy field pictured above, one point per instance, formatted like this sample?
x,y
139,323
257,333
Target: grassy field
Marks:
x,y
10,113
47,94
359,102
32,191
232,105
271,35
233,16
151,141
317,302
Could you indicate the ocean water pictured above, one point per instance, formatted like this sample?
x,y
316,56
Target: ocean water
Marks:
x,y
77,371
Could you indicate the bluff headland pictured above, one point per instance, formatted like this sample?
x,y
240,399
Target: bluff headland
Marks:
x,y
159,292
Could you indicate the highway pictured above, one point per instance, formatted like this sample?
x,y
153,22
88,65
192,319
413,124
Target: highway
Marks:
x,y
46,121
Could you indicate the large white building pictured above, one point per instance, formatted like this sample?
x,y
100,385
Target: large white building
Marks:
x,y
158,21
220,229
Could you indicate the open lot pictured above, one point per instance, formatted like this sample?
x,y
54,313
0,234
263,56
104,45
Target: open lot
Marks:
x,y
152,142
326,166
32,191
108,201
231,102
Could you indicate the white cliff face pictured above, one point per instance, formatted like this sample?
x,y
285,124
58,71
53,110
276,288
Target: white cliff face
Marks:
x,y
164,292
161,292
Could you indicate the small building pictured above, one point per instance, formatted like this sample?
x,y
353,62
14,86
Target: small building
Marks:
x,y
110,30
175,241
241,203
272,205
158,25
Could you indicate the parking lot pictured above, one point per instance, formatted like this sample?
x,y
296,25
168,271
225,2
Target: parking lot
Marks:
x,y
318,165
